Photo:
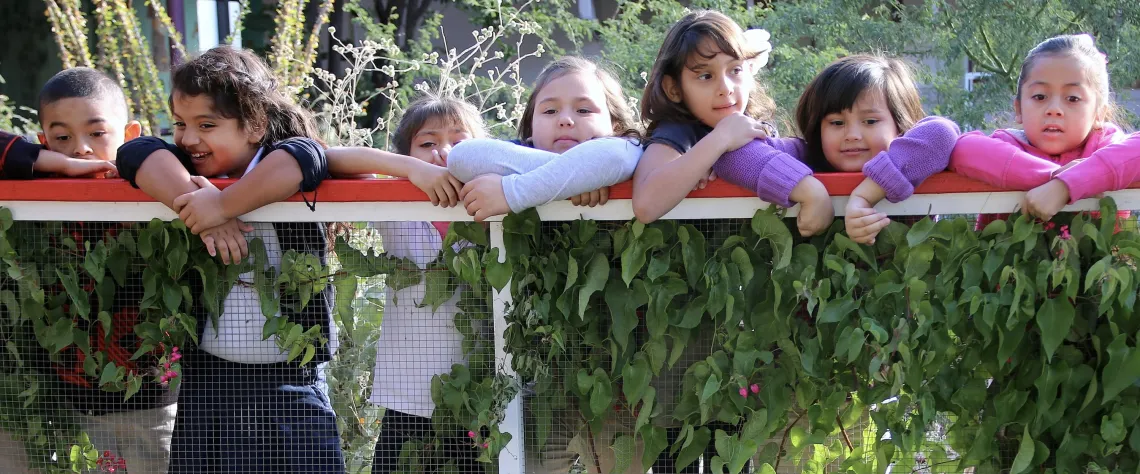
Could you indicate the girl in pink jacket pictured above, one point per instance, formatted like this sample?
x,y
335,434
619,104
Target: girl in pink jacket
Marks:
x,y
1068,149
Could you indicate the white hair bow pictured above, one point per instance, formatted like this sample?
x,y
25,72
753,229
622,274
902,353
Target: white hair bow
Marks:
x,y
758,41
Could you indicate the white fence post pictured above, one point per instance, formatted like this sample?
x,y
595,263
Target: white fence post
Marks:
x,y
512,457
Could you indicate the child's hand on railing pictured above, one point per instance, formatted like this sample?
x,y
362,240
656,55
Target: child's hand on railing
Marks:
x,y
201,209
816,212
863,222
1047,200
58,163
597,197
434,180
483,197
227,240
705,181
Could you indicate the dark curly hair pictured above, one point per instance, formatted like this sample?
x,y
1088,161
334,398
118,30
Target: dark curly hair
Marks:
x,y
243,88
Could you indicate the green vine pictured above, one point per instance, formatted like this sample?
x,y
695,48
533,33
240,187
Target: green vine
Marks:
x,y
1022,334
64,287
1016,344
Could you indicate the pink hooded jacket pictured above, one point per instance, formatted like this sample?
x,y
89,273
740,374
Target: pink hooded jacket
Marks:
x,y
1006,159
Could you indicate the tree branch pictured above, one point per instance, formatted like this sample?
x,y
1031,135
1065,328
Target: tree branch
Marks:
x,y
784,440
990,51
847,439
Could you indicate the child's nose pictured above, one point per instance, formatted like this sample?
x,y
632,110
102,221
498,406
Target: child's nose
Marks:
x,y
189,138
565,121
83,148
726,85
1054,108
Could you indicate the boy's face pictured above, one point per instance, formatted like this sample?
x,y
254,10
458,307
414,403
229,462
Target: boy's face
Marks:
x,y
86,127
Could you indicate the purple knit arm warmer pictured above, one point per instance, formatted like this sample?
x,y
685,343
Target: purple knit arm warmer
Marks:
x,y
913,157
769,167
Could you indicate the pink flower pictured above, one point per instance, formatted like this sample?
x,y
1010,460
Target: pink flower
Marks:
x,y
743,392
755,388
175,357
486,445
470,434
1065,235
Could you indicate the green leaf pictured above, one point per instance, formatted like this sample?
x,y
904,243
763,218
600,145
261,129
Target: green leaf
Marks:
x,y
110,374
171,297
740,258
597,272
498,273
95,262
310,352
997,227
1055,318
919,231
1024,453
1122,370
1112,428
852,345
769,227
345,292
438,288
837,309
623,303
741,453
692,253
1096,271
633,257
710,388
59,335
473,232
133,386
695,447
78,297
655,440
623,452
5,219
635,379
601,396
847,244
694,313
658,266
585,381
918,261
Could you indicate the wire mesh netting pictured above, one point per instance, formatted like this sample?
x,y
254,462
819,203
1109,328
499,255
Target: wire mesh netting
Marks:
x,y
370,348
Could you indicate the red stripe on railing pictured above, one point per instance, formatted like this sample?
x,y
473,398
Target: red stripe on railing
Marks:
x,y
402,190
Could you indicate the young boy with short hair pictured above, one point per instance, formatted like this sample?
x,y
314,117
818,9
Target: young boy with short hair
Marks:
x,y
85,119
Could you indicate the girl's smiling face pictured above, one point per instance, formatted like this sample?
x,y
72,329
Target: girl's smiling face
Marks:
x,y
854,136
217,145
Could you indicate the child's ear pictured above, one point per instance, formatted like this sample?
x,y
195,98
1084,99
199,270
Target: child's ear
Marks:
x,y
133,131
255,135
43,138
672,89
1102,115
1016,110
